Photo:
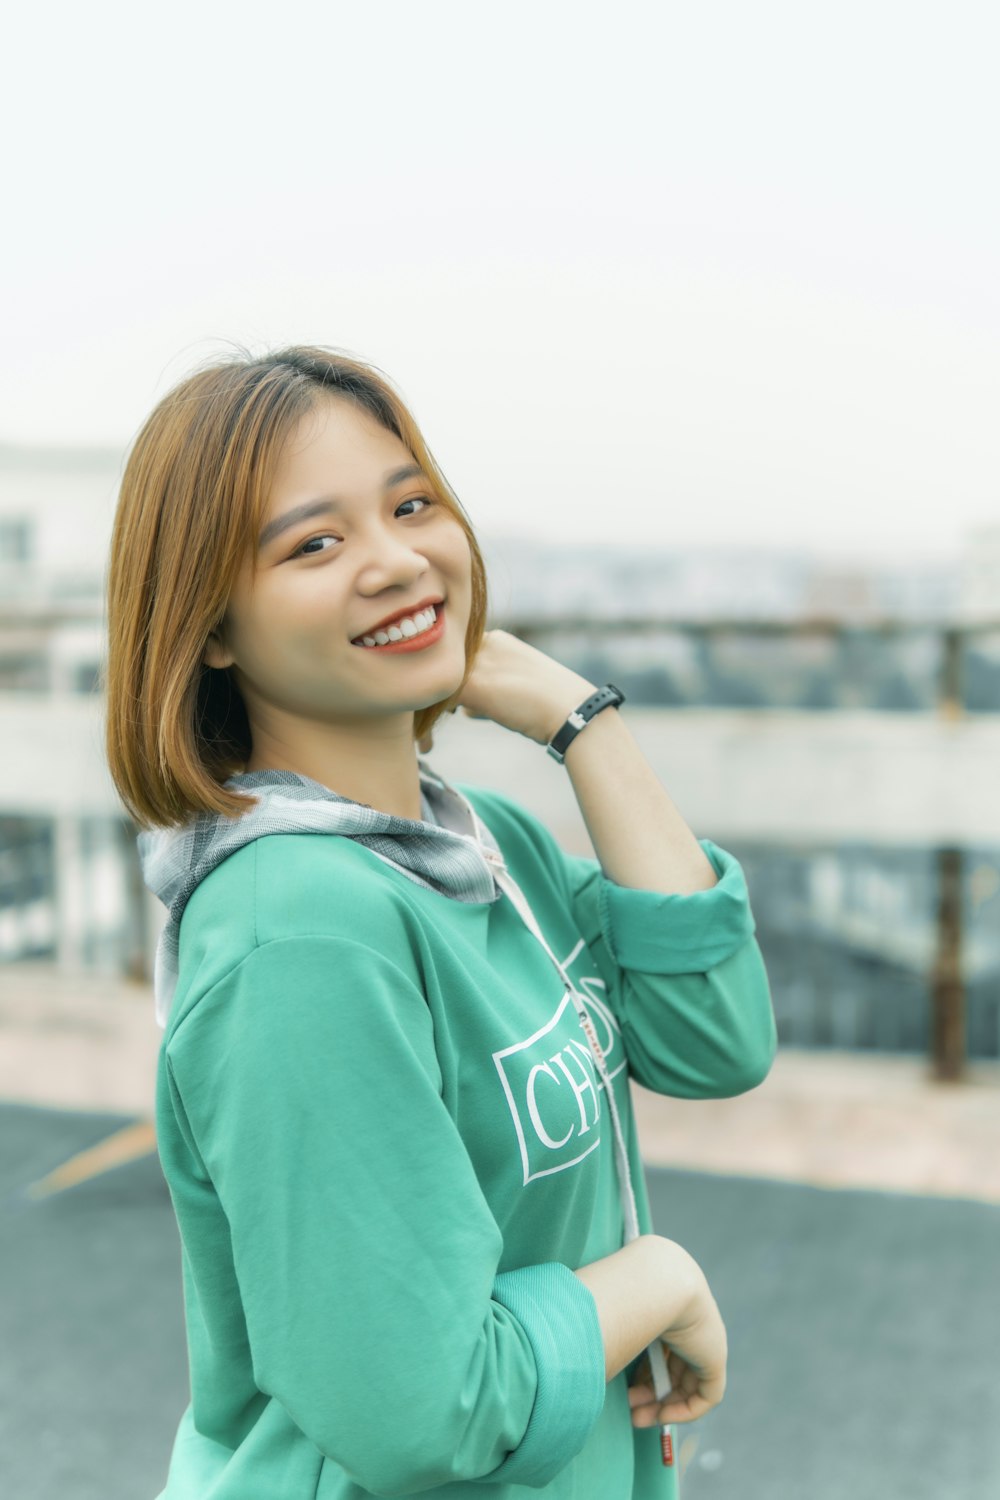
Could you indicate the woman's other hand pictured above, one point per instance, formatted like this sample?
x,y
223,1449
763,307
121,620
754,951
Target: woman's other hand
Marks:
x,y
696,1351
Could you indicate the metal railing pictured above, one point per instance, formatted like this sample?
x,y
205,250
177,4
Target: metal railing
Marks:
x,y
924,778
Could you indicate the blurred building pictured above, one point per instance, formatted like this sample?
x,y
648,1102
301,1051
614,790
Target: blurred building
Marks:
x,y
56,511
979,579
67,871
846,916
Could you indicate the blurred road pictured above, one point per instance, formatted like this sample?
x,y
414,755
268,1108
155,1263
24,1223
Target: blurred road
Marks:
x,y
863,1331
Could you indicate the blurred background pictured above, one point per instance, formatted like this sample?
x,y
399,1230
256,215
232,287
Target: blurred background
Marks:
x,y
697,308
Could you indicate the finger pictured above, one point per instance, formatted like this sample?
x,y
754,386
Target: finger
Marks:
x,y
646,1416
690,1399
657,1414
687,1410
685,1378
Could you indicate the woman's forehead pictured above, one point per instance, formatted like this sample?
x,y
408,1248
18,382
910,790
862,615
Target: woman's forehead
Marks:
x,y
334,440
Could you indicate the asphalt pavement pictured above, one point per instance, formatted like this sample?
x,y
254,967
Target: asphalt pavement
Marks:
x,y
863,1328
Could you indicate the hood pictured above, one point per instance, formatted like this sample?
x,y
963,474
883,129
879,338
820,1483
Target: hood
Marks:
x,y
435,854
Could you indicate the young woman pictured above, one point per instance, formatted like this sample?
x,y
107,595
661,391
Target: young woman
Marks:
x,y
392,1103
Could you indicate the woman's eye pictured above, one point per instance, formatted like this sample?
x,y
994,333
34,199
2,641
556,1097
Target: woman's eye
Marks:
x,y
300,551
413,500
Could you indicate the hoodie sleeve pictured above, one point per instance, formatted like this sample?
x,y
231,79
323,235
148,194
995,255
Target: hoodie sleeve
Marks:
x,y
365,1252
684,973
694,1002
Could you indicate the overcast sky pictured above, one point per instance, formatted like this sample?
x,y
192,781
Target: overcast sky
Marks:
x,y
697,272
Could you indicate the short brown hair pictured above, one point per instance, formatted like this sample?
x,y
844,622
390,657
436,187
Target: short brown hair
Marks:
x,y
193,493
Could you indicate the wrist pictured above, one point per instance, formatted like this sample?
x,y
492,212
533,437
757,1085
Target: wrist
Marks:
x,y
569,698
577,720
604,730
683,1283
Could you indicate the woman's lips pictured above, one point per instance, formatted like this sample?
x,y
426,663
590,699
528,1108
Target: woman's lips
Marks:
x,y
414,642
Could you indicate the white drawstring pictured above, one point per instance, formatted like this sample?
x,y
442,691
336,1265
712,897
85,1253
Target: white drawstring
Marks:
x,y
657,1362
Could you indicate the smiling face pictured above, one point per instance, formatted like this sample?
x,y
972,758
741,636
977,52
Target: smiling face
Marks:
x,y
352,532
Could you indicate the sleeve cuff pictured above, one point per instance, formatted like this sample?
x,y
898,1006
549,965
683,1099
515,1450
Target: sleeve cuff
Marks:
x,y
678,934
559,1316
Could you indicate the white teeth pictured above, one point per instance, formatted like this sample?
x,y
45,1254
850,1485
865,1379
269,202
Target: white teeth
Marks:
x,y
402,630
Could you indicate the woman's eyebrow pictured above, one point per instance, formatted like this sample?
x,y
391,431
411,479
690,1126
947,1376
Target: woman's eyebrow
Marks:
x,y
329,504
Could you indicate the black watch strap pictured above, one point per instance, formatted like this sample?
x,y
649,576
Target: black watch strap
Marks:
x,y
606,697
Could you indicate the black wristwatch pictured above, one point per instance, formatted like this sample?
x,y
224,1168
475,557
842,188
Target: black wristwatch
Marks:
x,y
606,697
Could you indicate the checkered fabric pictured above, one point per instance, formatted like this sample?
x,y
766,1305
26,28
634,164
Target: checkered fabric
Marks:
x,y
175,860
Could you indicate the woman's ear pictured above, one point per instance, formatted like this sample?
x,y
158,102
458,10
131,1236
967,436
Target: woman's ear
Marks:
x,y
215,653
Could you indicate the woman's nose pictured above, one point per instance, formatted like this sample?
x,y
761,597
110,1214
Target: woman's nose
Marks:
x,y
392,558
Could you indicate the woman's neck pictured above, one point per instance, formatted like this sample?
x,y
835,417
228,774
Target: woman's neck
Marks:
x,y
388,783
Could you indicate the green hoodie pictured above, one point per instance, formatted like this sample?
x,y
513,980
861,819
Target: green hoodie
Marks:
x,y
387,1151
